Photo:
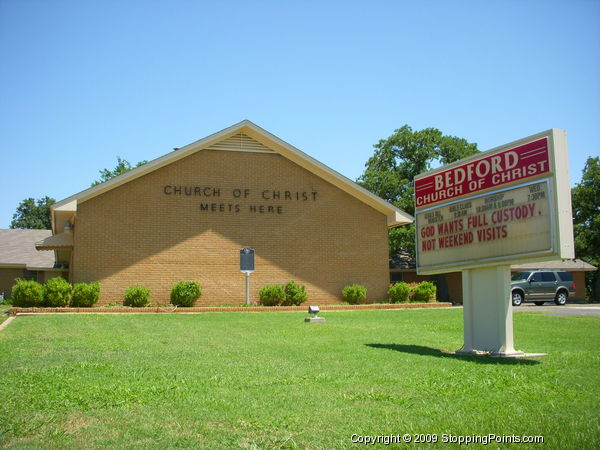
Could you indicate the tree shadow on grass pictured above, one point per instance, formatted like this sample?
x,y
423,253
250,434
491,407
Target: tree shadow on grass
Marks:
x,y
429,351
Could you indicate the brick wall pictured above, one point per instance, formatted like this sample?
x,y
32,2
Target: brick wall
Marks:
x,y
7,280
44,276
579,279
453,282
455,287
137,234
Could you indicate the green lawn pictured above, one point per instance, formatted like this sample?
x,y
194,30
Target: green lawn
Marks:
x,y
262,380
4,312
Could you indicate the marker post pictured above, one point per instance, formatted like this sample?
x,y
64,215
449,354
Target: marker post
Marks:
x,y
247,267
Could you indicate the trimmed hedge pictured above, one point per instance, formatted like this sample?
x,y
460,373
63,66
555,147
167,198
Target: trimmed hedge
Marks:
x,y
27,293
291,294
295,294
85,295
57,292
354,293
424,291
272,294
137,296
185,293
399,292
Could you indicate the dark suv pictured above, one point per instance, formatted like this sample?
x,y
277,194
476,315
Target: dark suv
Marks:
x,y
539,286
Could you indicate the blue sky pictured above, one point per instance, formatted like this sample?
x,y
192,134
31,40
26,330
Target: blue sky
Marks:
x,y
84,81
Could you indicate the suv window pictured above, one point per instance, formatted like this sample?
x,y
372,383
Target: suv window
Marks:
x,y
548,276
565,276
520,276
537,276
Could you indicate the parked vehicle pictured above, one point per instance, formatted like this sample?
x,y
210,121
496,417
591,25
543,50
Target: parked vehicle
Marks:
x,y
539,286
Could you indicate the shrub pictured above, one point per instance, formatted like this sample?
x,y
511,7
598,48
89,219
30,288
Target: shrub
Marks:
x,y
27,293
399,292
137,296
355,293
424,291
272,295
185,293
85,294
57,292
4,300
295,294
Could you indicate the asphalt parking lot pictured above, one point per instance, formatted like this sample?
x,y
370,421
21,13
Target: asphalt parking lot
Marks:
x,y
578,309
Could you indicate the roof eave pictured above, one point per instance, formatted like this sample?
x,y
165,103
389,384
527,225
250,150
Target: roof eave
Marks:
x,y
395,216
70,203
399,218
13,265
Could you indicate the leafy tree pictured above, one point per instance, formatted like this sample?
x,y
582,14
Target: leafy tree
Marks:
x,y
122,166
586,221
397,160
33,214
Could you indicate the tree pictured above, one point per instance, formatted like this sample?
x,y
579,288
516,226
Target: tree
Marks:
x,y
33,214
122,166
586,221
397,160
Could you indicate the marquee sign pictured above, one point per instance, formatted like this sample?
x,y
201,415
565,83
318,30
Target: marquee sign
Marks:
x,y
492,171
503,206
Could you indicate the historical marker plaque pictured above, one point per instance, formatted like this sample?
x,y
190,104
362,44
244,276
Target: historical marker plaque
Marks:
x,y
247,260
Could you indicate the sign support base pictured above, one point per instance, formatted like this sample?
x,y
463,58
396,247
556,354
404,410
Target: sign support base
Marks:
x,y
488,314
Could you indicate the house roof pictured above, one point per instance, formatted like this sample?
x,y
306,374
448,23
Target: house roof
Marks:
x,y
57,242
17,249
251,138
564,264
402,261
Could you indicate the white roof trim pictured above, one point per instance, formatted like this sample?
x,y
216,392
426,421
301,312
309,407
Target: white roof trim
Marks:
x,y
13,265
47,269
66,205
395,216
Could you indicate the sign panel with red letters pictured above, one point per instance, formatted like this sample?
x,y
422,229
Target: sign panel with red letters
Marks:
x,y
493,171
504,206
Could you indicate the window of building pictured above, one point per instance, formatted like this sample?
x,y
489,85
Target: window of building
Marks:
x,y
397,277
29,275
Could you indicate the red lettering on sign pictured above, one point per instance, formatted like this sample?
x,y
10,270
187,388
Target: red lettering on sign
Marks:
x,y
505,167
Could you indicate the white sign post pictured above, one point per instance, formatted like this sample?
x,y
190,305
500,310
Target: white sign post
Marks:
x,y
479,215
247,267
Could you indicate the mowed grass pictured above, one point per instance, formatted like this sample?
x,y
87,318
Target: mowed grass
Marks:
x,y
264,380
4,312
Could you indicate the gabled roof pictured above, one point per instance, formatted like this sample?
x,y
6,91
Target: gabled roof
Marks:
x,y
17,249
259,140
559,264
57,242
